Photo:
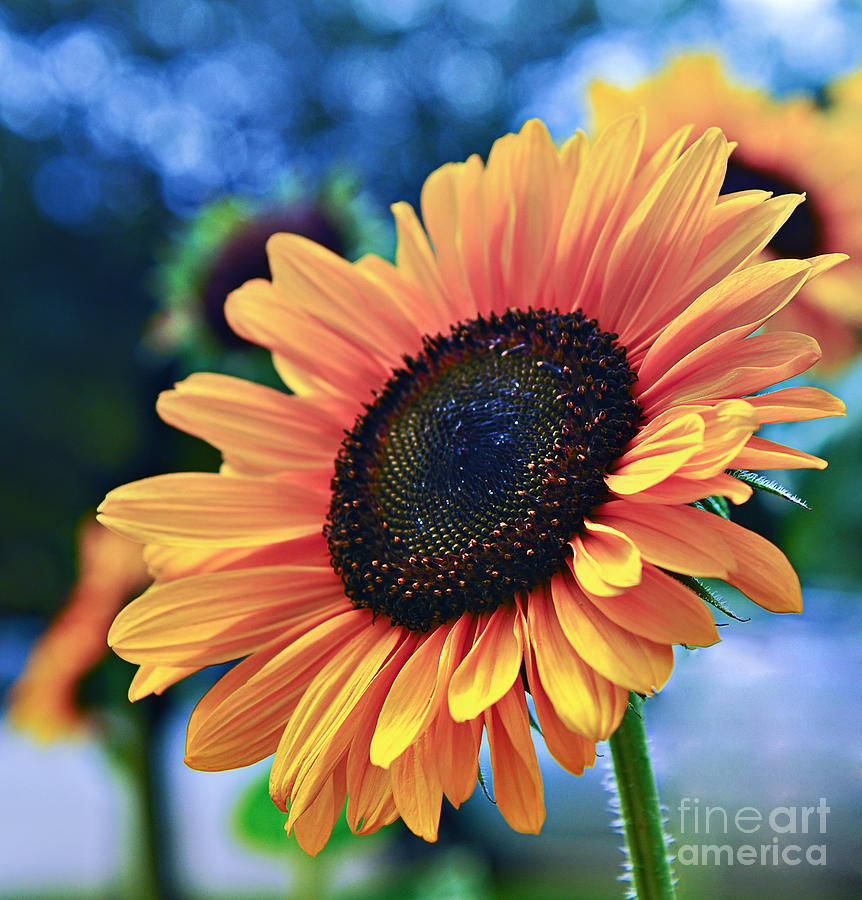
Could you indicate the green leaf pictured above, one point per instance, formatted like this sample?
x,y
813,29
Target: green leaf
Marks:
x,y
258,821
759,483
706,594
260,824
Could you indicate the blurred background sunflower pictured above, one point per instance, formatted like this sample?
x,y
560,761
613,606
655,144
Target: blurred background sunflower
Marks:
x,y
146,145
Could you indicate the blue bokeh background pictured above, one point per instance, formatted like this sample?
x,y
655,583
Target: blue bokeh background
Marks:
x,y
117,123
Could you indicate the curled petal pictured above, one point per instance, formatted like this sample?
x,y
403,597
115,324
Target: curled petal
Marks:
x,y
604,560
796,405
150,679
762,454
657,455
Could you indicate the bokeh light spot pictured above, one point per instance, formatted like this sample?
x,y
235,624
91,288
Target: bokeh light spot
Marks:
x,y
67,190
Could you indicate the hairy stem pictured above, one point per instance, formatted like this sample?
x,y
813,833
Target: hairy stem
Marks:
x,y
643,824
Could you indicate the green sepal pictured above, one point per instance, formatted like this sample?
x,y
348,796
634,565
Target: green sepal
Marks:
x,y
706,594
717,505
485,787
759,483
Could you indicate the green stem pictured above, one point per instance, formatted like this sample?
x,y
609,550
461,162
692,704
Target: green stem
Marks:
x,y
130,741
652,878
309,878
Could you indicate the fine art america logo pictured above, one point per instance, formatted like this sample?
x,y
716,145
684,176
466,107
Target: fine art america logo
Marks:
x,y
785,835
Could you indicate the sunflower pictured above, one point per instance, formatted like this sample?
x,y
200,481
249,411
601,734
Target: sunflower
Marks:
x,y
44,700
789,144
482,486
846,92
224,245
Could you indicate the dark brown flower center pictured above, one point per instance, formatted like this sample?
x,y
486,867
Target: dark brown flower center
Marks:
x,y
466,478
802,235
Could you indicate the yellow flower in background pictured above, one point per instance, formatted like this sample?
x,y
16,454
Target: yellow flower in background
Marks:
x,y
44,700
846,93
483,483
784,145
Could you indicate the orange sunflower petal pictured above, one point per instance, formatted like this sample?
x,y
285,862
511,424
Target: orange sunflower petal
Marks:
x,y
740,303
678,538
759,453
762,571
796,404
584,700
415,259
314,826
489,668
624,658
315,737
741,226
661,609
311,358
518,789
656,456
571,750
660,240
528,169
458,745
716,371
591,219
207,510
417,789
728,426
329,289
212,618
171,563
370,802
409,703
441,200
150,679
255,427
241,718
677,490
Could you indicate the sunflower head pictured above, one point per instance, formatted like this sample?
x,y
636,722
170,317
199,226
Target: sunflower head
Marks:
x,y
789,145
484,482
454,491
224,245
